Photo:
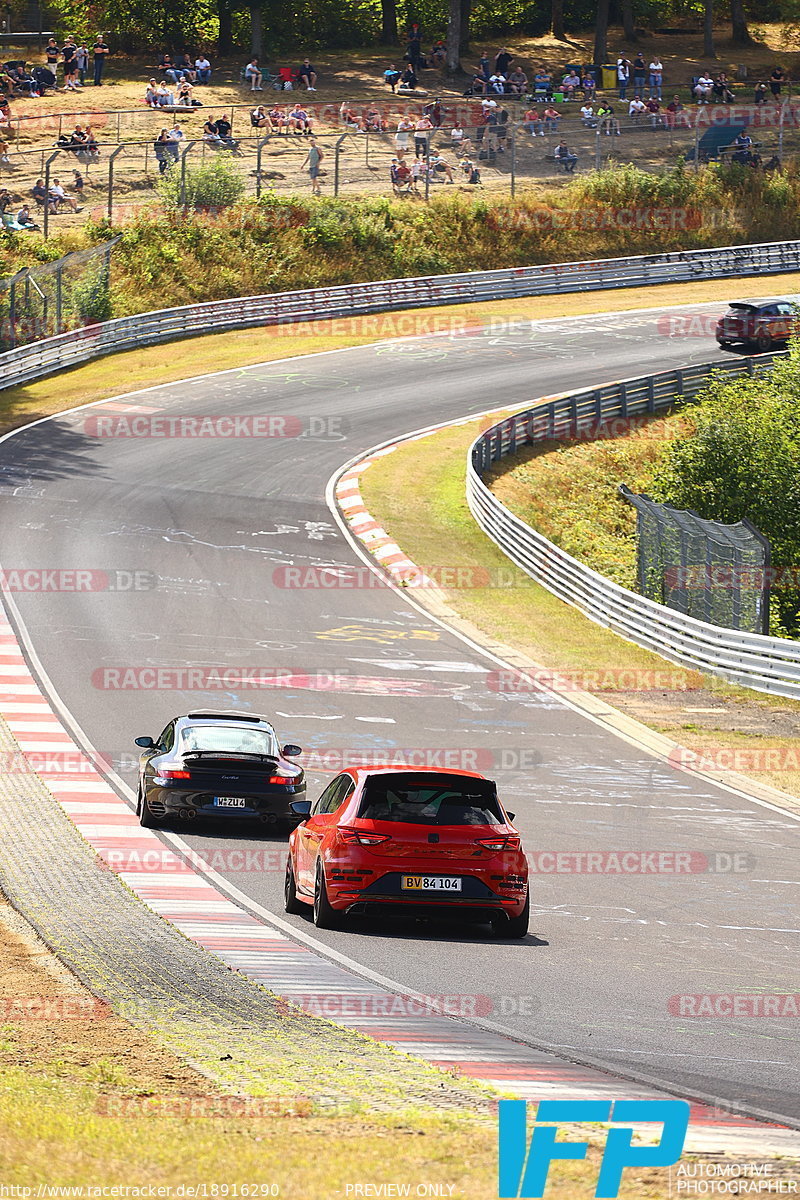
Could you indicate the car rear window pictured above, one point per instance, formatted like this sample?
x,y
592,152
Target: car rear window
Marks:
x,y
430,800
741,310
229,739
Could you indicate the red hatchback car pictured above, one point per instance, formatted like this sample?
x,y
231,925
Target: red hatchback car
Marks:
x,y
408,838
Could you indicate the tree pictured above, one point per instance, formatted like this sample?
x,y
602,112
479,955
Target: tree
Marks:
x,y
225,37
601,32
466,9
256,31
739,30
557,20
628,24
708,29
454,38
389,22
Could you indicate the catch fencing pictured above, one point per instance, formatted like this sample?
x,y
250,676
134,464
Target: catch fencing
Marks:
x,y
766,664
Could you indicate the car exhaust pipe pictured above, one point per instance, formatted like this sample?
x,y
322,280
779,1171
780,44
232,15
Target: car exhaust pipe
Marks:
x,y
187,814
268,819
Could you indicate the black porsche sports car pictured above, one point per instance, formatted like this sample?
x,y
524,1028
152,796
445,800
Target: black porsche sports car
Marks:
x,y
217,764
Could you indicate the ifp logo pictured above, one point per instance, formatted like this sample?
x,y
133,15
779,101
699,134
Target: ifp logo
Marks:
x,y
522,1170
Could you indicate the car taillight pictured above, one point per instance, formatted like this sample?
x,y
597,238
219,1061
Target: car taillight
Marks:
x,y
361,837
499,843
175,774
282,778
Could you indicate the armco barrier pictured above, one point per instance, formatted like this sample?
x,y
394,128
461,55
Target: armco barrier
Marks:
x,y
126,333
767,664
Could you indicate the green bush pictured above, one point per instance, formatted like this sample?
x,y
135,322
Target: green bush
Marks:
x,y
212,185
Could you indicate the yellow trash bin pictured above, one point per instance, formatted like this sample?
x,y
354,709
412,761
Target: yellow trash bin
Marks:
x,y
609,78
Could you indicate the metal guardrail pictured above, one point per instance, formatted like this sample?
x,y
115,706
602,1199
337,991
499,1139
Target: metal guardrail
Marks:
x,y
42,358
767,664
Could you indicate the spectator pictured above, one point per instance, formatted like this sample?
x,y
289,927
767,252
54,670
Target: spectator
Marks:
x,y
484,67
438,54
404,129
210,134
760,95
348,117
543,83
413,54
742,149
722,89
392,76
23,82
639,77
433,110
4,159
607,118
313,161
25,219
676,114
497,83
69,53
570,83
776,81
151,94
298,120
60,196
588,86
42,196
259,118
623,76
518,82
308,75
164,97
82,63
656,77
169,68
51,55
5,200
163,152
551,119
277,116
422,133
183,63
373,122
101,52
704,88
533,122
502,61
439,166
408,80
459,141
253,72
224,129
186,97
654,112
203,68
77,183
565,156
401,177
636,108
471,172
587,116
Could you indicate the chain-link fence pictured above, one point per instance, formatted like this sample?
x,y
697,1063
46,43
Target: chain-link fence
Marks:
x,y
42,301
714,572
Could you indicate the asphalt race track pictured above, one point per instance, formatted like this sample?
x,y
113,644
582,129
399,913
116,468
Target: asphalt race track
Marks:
x,y
215,519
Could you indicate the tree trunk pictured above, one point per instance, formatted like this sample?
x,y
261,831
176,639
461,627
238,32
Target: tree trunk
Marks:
x,y
466,6
601,32
454,38
557,20
389,22
256,31
739,30
225,40
628,24
708,29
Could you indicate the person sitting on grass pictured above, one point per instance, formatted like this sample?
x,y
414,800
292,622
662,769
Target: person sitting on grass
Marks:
x,y
533,122
164,97
564,156
704,88
185,95
551,117
636,109
392,76
722,89
438,53
24,218
408,80
471,172
5,161
151,94
400,174
308,75
459,141
373,122
654,114
77,183
253,73
440,166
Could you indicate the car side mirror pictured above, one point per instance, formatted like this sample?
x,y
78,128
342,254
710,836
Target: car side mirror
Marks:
x,y
291,751
510,815
300,808
146,743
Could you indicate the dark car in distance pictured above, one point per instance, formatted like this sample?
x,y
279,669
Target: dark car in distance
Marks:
x,y
217,764
759,323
